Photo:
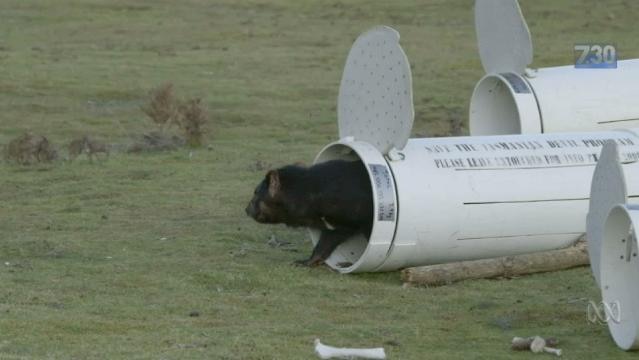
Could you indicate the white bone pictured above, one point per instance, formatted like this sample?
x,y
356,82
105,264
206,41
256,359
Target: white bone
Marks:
x,y
553,351
329,352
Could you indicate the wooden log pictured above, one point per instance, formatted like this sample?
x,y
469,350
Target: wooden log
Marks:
x,y
508,266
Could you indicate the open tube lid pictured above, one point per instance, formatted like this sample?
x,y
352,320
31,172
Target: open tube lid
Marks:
x,y
375,102
607,190
503,37
619,275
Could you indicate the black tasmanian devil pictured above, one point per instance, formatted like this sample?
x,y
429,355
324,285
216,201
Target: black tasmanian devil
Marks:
x,y
334,197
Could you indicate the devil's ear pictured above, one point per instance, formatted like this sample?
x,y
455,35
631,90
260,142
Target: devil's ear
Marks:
x,y
273,182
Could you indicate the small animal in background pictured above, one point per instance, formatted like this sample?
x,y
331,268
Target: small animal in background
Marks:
x,y
87,145
334,197
30,148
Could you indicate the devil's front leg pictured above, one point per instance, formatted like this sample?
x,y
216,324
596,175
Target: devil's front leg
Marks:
x,y
328,241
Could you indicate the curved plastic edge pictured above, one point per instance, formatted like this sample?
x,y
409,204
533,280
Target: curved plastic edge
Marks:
x,y
381,239
503,37
608,188
375,102
503,104
620,274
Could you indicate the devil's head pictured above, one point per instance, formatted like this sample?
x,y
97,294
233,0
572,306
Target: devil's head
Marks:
x,y
268,203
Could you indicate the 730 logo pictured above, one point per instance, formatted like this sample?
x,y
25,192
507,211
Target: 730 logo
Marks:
x,y
595,56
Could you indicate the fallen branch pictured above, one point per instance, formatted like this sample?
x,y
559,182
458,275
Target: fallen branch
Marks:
x,y
508,266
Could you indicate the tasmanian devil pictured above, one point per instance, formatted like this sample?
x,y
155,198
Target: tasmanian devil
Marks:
x,y
334,197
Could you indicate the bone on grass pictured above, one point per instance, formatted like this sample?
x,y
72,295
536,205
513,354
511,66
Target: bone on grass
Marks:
x,y
329,352
508,266
536,344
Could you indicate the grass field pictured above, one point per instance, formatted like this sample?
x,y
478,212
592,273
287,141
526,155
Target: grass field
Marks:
x,y
152,257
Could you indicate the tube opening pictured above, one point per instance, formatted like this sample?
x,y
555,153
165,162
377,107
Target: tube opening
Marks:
x,y
359,253
493,108
349,252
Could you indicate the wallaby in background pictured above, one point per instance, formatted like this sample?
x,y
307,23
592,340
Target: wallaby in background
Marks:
x,y
30,148
89,146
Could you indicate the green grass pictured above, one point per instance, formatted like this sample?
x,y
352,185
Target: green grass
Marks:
x,y
107,260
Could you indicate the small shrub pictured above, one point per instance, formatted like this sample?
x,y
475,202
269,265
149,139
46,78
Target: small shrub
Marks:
x,y
192,120
163,107
165,110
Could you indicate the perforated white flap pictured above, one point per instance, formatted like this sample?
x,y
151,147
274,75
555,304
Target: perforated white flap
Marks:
x,y
502,36
607,190
375,102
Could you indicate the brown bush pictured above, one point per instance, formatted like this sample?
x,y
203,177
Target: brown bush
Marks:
x,y
192,120
165,110
163,107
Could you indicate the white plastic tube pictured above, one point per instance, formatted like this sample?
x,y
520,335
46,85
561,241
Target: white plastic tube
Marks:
x,y
556,99
463,198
